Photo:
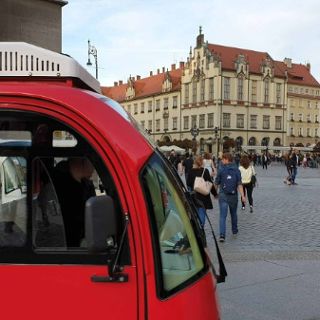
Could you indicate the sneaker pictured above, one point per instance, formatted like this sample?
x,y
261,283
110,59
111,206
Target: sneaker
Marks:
x,y
235,232
251,209
221,239
243,208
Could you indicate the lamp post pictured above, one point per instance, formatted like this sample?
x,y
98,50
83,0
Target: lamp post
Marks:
x,y
216,137
93,51
194,132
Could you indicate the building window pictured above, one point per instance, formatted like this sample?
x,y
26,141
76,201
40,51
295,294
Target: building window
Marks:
x,y
211,89
165,103
186,122
266,122
165,123
143,124
308,118
316,118
291,132
316,132
193,121
308,132
174,123
135,106
150,125
266,91
240,120
186,93
129,108
210,120
194,92
142,107
149,106
174,102
309,104
240,89
300,117
278,122
158,105
278,93
202,90
226,120
158,125
254,91
201,121
300,132
291,116
226,88
253,121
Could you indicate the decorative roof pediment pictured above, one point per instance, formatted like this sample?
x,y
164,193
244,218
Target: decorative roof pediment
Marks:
x,y
241,66
167,82
267,68
130,90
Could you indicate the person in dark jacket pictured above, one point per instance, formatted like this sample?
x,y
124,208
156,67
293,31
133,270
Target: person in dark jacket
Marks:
x,y
203,202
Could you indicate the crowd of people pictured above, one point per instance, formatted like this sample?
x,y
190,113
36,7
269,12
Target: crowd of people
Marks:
x,y
232,176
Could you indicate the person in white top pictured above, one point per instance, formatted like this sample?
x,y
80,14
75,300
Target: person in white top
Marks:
x,y
247,171
208,164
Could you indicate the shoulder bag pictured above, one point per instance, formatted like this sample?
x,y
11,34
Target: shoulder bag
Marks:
x,y
202,186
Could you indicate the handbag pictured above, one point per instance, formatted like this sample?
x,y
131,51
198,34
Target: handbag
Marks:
x,y
253,180
202,186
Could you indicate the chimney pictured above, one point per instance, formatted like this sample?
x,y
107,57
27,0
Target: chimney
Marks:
x,y
138,77
115,83
173,66
181,65
163,69
158,71
288,62
151,73
120,82
308,65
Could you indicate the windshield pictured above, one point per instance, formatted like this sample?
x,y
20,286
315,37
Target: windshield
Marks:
x,y
175,240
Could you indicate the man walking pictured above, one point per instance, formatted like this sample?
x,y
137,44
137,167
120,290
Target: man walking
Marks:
x,y
229,182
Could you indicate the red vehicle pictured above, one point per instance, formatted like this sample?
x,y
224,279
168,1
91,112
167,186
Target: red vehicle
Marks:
x,y
119,242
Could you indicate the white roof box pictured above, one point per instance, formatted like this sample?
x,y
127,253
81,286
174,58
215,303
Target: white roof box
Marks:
x,y
20,59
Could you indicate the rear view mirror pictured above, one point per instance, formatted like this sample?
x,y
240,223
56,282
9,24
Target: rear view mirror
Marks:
x,y
100,223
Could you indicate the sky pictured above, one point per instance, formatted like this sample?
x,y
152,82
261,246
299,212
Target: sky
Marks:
x,y
134,37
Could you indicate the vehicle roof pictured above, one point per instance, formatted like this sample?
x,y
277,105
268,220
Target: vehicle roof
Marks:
x,y
98,111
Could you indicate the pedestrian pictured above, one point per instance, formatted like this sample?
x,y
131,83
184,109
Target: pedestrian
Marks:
x,y
294,162
247,172
208,164
264,160
181,169
188,163
229,182
203,202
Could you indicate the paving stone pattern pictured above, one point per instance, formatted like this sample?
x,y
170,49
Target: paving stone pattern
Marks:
x,y
285,221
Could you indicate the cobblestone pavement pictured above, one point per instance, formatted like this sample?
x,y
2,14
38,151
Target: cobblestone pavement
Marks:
x,y
273,264
285,221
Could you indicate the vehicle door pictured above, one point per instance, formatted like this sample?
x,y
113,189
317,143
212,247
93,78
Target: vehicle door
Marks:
x,y
46,271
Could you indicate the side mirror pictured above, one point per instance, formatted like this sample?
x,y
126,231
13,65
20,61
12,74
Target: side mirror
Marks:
x,y
100,224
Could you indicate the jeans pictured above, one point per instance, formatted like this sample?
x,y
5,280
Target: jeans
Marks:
x,y
228,202
202,215
294,174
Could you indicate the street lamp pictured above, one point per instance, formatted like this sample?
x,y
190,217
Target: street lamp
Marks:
x,y
216,137
93,51
194,132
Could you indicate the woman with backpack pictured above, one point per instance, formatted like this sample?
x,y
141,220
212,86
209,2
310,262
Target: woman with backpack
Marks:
x,y
247,172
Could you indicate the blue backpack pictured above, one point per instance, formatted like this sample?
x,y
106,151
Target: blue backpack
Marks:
x,y
229,181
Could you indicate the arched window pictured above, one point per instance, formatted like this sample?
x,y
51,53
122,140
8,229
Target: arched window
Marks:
x,y
252,141
277,142
265,141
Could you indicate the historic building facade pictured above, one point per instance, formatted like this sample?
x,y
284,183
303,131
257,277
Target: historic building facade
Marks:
x,y
226,94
